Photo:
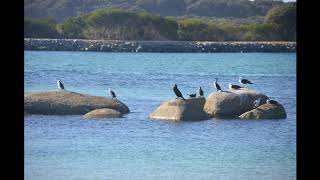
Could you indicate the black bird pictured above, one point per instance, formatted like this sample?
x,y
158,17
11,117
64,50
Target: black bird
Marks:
x,y
244,81
60,84
192,95
200,91
270,101
257,103
232,86
112,94
216,85
177,92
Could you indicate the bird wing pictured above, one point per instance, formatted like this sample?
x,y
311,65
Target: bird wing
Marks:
x,y
246,81
218,86
112,93
61,85
235,86
177,92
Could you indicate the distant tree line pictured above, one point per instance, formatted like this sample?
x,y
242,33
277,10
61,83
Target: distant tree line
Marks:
x,y
278,25
62,9
41,28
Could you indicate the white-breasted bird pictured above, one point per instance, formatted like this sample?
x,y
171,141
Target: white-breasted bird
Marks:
x,y
60,84
270,101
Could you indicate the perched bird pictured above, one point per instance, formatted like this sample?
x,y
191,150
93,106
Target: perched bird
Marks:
x,y
192,95
257,103
112,94
216,85
200,91
244,81
177,92
232,86
270,101
60,84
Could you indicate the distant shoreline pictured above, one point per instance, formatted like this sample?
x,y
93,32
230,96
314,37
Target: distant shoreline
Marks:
x,y
157,46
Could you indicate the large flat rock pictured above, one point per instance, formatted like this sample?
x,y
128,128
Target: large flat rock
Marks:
x,y
223,105
181,110
232,103
68,103
247,97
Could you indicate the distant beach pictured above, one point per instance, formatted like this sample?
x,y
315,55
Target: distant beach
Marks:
x,y
157,46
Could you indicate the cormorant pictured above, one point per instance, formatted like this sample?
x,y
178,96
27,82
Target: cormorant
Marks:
x,y
216,85
200,91
177,92
112,94
192,95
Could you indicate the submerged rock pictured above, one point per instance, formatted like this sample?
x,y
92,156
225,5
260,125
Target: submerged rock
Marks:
x,y
103,113
266,111
181,110
232,103
68,103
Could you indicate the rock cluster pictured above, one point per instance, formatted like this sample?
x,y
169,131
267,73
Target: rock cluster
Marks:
x,y
222,104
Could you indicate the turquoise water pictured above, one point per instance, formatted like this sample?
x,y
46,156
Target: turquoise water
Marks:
x,y
135,147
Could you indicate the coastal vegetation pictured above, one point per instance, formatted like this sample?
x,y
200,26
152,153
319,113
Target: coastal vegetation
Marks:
x,y
62,9
279,24
41,28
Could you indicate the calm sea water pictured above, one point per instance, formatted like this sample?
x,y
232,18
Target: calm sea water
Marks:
x,y
135,147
